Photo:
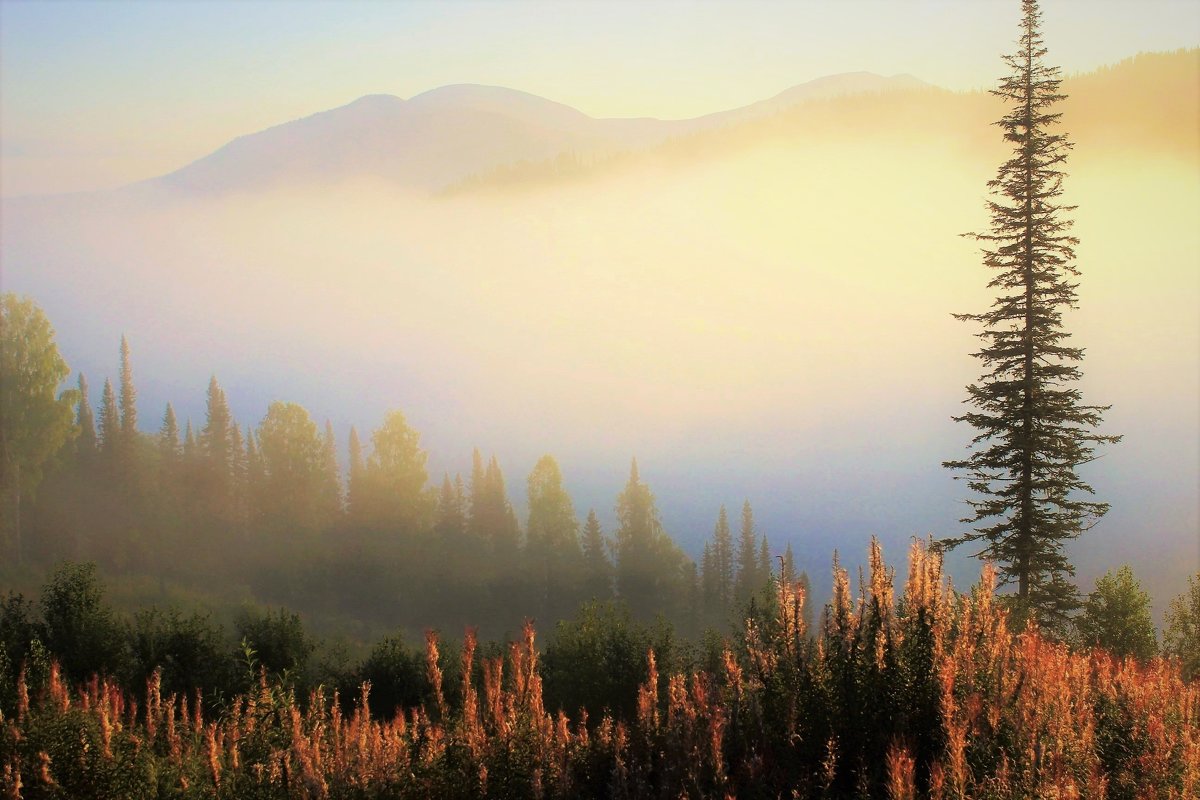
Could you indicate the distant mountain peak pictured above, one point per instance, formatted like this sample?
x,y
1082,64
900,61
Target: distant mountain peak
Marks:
x,y
497,100
369,100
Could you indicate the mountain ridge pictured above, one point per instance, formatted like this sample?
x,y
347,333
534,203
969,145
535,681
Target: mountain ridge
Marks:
x,y
437,138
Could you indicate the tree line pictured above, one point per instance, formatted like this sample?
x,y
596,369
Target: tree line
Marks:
x,y
270,508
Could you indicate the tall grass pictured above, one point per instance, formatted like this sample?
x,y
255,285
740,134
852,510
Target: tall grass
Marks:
x,y
930,695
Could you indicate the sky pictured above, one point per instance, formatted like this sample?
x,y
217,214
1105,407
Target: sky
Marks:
x,y
99,94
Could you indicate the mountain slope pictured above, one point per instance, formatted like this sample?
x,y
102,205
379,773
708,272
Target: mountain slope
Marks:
x,y
437,138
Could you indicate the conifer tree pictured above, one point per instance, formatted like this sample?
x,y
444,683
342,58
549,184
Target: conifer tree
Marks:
x,y
190,447
552,548
214,442
85,443
169,477
128,398
331,484
723,561
168,440
749,579
787,567
598,569
354,478
492,518
507,532
650,569
477,518
764,560
1032,430
110,424
451,525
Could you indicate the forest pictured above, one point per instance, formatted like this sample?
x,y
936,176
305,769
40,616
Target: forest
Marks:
x,y
226,514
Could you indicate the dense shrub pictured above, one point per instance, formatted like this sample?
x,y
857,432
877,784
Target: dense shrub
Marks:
x,y
932,696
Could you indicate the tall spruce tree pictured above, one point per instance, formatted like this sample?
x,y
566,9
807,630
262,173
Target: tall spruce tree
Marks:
x,y
553,555
1032,430
168,440
128,398
506,532
598,568
764,560
215,447
85,421
723,561
190,447
110,425
650,570
749,577
477,516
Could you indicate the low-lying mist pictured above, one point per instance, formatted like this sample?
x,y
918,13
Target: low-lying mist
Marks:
x,y
770,322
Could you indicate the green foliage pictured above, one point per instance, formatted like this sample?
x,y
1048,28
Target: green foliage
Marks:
x,y
930,696
1116,617
597,660
1181,637
397,676
597,566
553,554
85,423
35,419
1032,429
211,456
81,630
189,651
717,578
650,568
18,629
278,641
749,576
224,516
20,648
294,491
393,493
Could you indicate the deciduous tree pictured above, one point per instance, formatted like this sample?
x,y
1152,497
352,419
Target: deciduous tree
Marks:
x,y
35,418
1116,617
1181,636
